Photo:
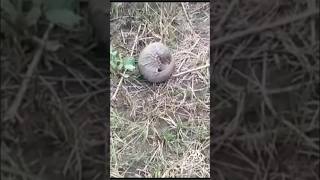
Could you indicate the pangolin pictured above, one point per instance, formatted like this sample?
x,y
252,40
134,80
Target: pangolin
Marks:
x,y
155,62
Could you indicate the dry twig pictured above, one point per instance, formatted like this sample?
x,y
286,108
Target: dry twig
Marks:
x,y
258,29
191,70
36,59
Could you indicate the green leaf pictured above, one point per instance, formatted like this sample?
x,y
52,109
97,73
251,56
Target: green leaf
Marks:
x,y
129,67
63,17
129,60
120,66
113,65
129,63
113,53
120,57
169,137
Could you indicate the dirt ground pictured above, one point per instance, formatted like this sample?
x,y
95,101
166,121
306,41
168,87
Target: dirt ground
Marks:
x,y
161,130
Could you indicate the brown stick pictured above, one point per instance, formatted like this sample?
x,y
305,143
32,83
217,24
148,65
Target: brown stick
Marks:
x,y
191,70
36,59
257,29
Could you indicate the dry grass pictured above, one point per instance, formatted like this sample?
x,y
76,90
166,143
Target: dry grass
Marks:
x,y
161,130
265,113
266,79
52,103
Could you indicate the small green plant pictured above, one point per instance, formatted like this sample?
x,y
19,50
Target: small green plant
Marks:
x,y
119,64
169,137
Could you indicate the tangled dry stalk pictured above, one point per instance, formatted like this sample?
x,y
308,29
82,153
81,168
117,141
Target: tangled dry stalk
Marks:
x,y
266,90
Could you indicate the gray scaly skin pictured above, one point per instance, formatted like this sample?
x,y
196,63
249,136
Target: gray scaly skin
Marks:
x,y
156,63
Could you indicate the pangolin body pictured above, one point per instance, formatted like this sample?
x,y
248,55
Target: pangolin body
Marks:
x,y
155,62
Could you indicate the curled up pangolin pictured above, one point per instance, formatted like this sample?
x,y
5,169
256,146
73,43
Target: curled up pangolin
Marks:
x,y
155,63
